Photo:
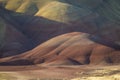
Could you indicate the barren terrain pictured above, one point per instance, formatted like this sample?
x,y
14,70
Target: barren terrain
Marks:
x,y
59,40
39,72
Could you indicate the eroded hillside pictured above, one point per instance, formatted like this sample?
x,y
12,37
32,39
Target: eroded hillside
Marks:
x,y
89,33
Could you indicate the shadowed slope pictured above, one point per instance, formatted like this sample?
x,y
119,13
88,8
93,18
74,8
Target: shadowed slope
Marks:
x,y
110,10
12,40
36,27
2,31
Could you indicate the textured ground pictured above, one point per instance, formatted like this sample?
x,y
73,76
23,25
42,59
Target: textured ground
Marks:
x,y
60,73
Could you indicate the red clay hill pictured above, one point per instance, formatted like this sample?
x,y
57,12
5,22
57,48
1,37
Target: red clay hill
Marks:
x,y
74,48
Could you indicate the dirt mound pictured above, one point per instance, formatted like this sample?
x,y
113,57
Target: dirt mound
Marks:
x,y
72,48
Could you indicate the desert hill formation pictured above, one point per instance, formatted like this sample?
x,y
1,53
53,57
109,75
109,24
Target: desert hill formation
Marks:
x,y
69,49
59,32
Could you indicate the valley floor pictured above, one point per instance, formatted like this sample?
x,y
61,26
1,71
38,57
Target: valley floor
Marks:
x,y
39,72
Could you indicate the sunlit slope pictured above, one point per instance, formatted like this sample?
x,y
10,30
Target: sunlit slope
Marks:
x,y
26,6
62,12
85,3
13,4
23,6
41,3
108,8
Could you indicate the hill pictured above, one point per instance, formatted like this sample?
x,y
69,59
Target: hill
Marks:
x,y
53,19
69,49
